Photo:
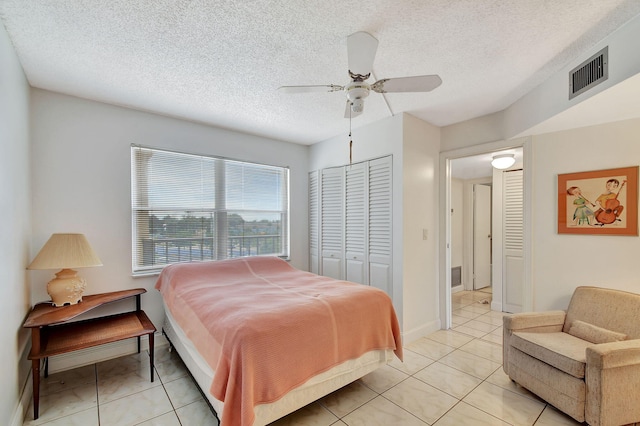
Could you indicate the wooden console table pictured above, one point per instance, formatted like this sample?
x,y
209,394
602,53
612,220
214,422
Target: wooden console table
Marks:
x,y
53,334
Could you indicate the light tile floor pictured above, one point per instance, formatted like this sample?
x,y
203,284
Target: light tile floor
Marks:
x,y
449,378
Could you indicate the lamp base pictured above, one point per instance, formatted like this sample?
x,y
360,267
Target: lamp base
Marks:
x,y
66,288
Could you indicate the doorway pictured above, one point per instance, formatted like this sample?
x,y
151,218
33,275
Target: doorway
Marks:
x,y
470,169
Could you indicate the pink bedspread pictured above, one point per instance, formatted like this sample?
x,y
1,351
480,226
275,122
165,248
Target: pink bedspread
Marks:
x,y
266,327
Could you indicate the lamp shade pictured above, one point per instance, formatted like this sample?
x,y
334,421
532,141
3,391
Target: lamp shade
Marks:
x,y
65,251
503,161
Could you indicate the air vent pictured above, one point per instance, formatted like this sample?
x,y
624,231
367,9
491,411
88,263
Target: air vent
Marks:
x,y
456,276
590,73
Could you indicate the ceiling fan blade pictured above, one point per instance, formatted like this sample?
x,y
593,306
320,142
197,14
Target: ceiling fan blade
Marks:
x,y
310,89
348,112
361,51
419,83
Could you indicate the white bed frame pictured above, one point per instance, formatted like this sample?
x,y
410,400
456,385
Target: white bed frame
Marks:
x,y
315,388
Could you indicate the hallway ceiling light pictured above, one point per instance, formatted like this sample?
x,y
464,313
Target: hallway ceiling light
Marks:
x,y
503,161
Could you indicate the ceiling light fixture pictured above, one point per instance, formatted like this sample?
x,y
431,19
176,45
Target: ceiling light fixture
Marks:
x,y
503,161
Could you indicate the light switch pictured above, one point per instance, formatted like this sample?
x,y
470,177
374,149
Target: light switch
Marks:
x,y
425,234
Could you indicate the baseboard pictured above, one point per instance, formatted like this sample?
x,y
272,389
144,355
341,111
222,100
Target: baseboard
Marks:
x,y
23,404
24,378
496,306
421,331
457,288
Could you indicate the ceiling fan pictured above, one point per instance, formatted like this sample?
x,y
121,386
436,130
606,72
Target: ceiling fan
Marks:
x,y
361,51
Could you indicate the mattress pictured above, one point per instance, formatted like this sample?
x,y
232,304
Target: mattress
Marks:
x,y
315,388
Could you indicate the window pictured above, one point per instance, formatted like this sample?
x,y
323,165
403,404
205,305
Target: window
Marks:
x,y
188,208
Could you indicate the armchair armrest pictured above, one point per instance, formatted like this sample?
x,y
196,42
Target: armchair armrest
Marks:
x,y
535,321
612,376
614,354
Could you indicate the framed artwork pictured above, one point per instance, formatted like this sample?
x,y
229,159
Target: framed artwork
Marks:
x,y
599,202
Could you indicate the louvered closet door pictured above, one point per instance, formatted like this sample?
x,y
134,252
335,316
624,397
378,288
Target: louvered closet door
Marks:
x,y
314,222
380,223
332,223
356,208
513,232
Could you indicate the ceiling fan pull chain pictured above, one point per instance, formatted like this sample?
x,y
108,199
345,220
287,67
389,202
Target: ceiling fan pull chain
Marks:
x,y
350,140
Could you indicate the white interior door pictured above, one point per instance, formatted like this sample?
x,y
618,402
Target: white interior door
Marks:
x,y
332,223
513,245
355,238
314,222
481,236
380,224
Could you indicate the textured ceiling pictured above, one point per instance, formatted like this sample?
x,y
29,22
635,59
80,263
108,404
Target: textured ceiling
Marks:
x,y
220,62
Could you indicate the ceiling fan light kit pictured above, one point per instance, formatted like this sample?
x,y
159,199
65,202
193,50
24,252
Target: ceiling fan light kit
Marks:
x,y
356,92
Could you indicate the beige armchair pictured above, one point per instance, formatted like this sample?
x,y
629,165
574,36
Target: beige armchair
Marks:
x,y
585,361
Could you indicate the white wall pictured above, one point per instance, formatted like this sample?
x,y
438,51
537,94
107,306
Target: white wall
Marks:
x,y
420,207
488,128
562,262
375,140
81,181
15,222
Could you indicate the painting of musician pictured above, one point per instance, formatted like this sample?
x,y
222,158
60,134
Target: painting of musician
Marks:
x,y
582,214
599,202
610,209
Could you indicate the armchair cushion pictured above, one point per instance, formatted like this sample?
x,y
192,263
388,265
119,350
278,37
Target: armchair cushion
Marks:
x,y
560,350
594,334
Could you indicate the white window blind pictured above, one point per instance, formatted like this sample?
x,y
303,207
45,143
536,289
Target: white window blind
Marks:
x,y
189,207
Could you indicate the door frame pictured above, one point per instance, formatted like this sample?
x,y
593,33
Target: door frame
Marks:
x,y
444,236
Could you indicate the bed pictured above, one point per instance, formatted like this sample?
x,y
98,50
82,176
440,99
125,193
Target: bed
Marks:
x,y
263,339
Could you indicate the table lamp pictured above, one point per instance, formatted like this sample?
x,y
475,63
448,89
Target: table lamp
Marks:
x,y
66,251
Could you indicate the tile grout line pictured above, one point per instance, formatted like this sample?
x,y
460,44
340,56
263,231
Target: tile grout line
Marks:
x,y
95,376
